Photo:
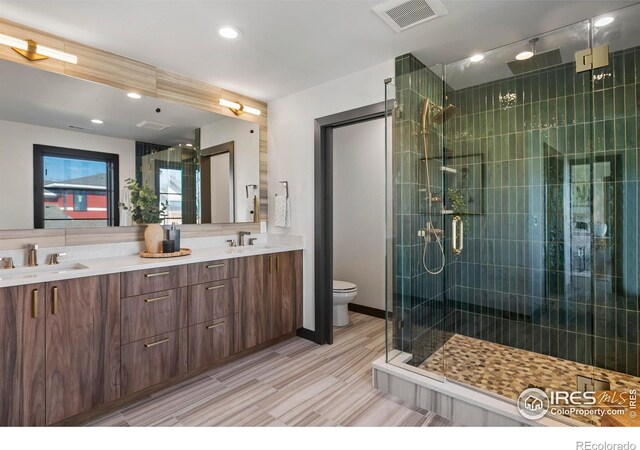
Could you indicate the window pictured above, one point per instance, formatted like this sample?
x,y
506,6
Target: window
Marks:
x,y
74,188
169,190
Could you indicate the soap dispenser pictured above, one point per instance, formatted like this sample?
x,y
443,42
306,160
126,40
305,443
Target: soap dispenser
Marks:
x,y
173,234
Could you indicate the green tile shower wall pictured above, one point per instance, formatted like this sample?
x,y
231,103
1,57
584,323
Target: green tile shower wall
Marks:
x,y
528,277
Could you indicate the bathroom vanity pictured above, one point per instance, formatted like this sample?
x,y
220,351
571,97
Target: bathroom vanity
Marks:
x,y
77,343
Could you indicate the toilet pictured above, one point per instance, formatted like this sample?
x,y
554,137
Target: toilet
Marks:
x,y
343,294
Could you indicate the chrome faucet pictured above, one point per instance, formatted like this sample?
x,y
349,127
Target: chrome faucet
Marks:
x,y
252,240
53,258
241,235
231,242
32,261
8,263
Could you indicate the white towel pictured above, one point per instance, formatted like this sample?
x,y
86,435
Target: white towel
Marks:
x,y
125,216
283,211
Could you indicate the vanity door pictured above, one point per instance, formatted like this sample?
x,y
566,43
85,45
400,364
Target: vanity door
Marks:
x,y
22,359
82,345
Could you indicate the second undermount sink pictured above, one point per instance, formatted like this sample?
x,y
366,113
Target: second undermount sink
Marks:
x,y
34,272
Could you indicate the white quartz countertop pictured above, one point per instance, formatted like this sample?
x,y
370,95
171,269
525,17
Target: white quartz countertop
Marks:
x,y
116,264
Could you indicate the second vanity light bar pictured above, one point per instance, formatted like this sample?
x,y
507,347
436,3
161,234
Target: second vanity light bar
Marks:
x,y
238,108
34,51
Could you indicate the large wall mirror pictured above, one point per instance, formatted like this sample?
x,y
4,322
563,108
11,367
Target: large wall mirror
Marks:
x,y
67,147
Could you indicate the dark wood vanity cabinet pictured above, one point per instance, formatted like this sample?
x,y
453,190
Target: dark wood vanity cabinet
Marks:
x,y
82,345
270,297
69,346
60,349
22,356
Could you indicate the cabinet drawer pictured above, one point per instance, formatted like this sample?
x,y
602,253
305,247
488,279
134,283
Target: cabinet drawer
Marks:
x,y
212,271
153,314
151,280
153,360
211,341
212,300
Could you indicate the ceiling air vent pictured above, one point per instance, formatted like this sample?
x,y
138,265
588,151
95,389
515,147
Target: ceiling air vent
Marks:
x,y
403,14
157,126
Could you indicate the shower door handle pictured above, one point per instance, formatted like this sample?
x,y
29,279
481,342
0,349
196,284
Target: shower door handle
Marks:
x,y
457,236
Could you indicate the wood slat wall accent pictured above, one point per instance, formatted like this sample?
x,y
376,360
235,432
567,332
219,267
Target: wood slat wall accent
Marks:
x,y
124,73
113,70
20,239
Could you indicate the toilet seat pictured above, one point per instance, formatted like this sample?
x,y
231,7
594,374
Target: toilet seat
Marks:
x,y
341,287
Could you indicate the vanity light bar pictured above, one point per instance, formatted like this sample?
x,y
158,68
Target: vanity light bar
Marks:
x,y
238,108
13,42
34,52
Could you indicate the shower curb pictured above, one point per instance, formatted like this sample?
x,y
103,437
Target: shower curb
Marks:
x,y
462,405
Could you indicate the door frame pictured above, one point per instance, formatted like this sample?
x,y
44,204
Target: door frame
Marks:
x,y
323,212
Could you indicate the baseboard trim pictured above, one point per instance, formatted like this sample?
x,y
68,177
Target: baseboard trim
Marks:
x,y
369,311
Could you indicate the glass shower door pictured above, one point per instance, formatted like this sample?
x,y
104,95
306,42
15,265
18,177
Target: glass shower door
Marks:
x,y
616,189
520,150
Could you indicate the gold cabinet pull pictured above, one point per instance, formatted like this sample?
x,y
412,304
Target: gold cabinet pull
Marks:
x,y
269,264
151,300
158,274
211,288
277,263
34,297
215,325
153,344
215,266
54,303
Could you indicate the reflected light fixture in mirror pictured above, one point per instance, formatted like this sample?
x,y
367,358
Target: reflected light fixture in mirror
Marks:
x,y
34,51
476,58
603,21
238,108
229,32
524,55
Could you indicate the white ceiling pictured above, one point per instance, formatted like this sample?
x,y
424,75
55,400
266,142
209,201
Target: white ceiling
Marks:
x,y
289,45
48,99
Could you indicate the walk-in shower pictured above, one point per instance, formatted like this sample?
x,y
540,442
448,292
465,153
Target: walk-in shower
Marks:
x,y
515,191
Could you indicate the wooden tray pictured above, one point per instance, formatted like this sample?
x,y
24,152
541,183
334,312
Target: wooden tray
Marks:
x,y
182,252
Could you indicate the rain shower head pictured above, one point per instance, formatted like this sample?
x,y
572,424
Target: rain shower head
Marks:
x,y
446,113
538,61
535,60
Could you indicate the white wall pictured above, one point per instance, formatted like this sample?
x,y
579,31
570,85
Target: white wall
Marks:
x,y
16,164
359,210
291,134
246,162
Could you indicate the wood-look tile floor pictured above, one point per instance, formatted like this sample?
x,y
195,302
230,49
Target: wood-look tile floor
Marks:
x,y
294,383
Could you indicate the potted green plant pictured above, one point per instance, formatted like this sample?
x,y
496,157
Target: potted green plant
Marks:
x,y
145,210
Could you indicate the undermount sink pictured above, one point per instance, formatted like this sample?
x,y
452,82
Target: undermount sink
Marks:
x,y
34,272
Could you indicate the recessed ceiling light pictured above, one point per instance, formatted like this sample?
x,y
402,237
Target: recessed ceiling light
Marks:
x,y
524,55
134,95
229,32
98,121
189,145
603,21
476,58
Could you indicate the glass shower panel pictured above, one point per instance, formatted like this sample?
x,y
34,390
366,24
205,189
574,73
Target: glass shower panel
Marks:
x,y
418,328
616,189
518,141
